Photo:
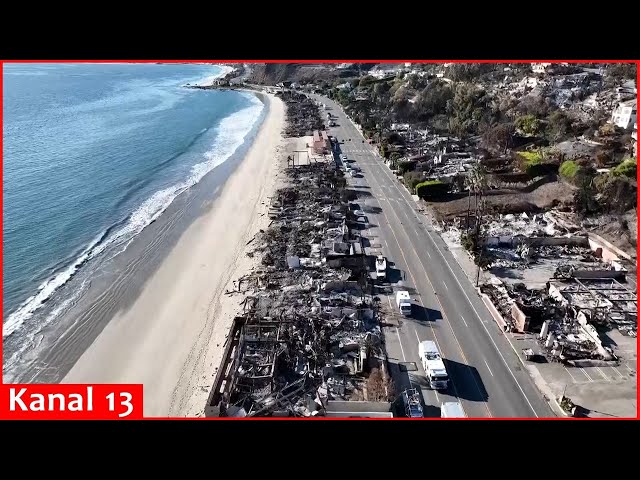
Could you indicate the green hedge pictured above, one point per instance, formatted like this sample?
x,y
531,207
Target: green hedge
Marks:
x,y
432,189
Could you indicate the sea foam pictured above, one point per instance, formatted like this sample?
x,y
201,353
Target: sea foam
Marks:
x,y
231,134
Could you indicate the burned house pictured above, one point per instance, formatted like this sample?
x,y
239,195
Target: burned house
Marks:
x,y
303,115
309,333
602,301
574,339
523,309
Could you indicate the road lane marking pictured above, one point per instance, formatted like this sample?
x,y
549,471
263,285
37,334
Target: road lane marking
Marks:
x,y
428,280
471,304
586,374
453,385
572,377
603,374
465,322
485,362
464,357
618,372
463,291
415,284
404,359
445,285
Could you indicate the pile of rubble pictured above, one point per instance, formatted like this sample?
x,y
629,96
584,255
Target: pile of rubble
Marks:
x,y
523,224
303,115
573,341
570,258
565,313
523,309
309,331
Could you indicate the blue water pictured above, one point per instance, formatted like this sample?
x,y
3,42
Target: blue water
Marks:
x,y
92,154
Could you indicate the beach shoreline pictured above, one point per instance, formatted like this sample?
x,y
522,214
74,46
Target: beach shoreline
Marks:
x,y
211,80
171,337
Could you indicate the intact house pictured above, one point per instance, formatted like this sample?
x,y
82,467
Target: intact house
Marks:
x,y
321,142
625,114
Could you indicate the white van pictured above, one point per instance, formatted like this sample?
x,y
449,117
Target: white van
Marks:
x,y
403,301
452,410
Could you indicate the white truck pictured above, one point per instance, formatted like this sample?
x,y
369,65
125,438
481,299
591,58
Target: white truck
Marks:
x,y
452,410
381,267
403,301
433,365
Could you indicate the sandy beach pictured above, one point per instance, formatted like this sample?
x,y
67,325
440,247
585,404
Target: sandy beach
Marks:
x,y
171,338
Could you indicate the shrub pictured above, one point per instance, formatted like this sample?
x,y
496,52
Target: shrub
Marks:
x,y
406,166
533,164
531,157
607,130
432,189
528,124
626,168
569,169
617,193
603,158
384,150
469,241
584,199
412,179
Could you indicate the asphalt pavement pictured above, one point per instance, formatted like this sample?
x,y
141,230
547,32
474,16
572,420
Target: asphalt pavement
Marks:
x,y
485,374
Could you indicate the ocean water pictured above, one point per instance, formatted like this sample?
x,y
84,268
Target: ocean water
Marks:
x,y
92,155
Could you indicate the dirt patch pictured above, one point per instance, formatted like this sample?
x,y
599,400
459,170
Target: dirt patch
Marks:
x,y
508,201
621,231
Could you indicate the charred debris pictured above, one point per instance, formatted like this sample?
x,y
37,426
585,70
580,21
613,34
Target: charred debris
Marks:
x,y
309,330
565,289
567,316
303,115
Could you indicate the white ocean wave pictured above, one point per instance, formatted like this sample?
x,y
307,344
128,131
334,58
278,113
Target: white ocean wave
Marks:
x,y
231,133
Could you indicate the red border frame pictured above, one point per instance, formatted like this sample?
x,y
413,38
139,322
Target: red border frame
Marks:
x,y
2,62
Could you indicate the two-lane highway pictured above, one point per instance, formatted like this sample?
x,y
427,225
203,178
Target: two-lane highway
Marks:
x,y
484,371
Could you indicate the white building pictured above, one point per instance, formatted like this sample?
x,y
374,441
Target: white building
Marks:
x,y
377,73
625,114
634,135
540,67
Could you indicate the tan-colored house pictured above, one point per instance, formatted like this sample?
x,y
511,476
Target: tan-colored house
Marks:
x,y
321,142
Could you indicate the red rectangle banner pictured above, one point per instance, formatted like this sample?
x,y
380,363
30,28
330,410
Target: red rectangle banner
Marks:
x,y
71,402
